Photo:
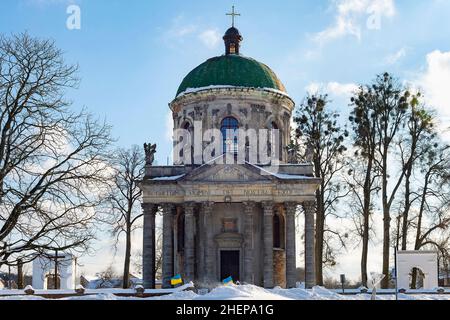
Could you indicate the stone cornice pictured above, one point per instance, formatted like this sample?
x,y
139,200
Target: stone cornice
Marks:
x,y
219,193
231,93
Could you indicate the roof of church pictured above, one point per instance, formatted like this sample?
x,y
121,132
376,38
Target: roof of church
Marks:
x,y
231,70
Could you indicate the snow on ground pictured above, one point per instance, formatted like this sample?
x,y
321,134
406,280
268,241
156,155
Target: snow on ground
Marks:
x,y
249,292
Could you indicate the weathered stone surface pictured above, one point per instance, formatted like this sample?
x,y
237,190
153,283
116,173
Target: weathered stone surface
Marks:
x,y
248,246
148,248
239,103
168,258
291,268
310,211
268,244
189,249
279,267
207,208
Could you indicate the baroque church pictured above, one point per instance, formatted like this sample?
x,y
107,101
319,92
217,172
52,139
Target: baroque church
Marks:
x,y
229,218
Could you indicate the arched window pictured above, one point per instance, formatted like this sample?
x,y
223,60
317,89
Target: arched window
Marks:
x,y
180,232
187,126
273,126
229,135
278,231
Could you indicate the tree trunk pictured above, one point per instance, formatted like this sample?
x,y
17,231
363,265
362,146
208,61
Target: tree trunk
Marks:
x,y
397,233
408,170
20,284
405,216
365,250
126,266
365,247
418,241
447,271
414,278
366,221
386,224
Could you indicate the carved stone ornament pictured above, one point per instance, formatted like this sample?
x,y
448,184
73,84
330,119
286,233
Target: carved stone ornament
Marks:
x,y
150,150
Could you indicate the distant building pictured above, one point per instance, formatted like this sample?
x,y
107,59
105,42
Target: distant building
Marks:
x,y
44,272
5,277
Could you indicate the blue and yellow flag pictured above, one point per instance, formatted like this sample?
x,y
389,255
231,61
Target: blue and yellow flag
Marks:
x,y
227,281
176,280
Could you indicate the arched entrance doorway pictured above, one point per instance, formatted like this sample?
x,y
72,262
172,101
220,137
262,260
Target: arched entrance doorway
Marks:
x,y
52,282
416,278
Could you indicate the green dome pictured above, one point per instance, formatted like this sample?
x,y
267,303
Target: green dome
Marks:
x,y
231,70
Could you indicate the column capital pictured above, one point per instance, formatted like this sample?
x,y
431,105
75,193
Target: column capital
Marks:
x,y
207,204
290,207
168,208
267,204
189,208
206,207
309,206
249,205
149,208
268,207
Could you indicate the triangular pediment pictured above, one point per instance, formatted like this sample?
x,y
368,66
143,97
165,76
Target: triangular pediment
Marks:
x,y
227,173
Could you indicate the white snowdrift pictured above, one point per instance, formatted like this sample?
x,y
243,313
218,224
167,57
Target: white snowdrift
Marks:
x,y
251,292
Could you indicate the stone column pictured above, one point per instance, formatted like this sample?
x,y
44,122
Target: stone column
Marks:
x,y
148,247
207,208
189,244
167,254
291,269
310,271
248,242
268,243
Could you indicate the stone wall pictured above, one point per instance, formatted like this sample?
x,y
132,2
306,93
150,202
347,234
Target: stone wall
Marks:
x,y
279,267
253,108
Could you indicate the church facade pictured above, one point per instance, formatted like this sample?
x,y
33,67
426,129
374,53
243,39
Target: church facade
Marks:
x,y
224,217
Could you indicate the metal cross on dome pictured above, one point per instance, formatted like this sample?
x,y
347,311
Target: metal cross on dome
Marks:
x,y
233,14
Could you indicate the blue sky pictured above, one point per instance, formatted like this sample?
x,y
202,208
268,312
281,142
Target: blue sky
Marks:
x,y
134,54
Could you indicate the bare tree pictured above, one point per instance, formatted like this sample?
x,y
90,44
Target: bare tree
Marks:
x,y
363,174
413,145
386,102
124,199
106,277
362,183
52,167
319,131
433,215
389,102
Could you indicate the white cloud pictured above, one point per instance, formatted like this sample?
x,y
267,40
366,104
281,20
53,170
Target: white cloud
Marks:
x,y
334,89
183,31
435,83
395,57
352,14
179,29
210,38
342,89
436,79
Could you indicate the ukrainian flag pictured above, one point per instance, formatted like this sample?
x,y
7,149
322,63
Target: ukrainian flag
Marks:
x,y
227,281
176,280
